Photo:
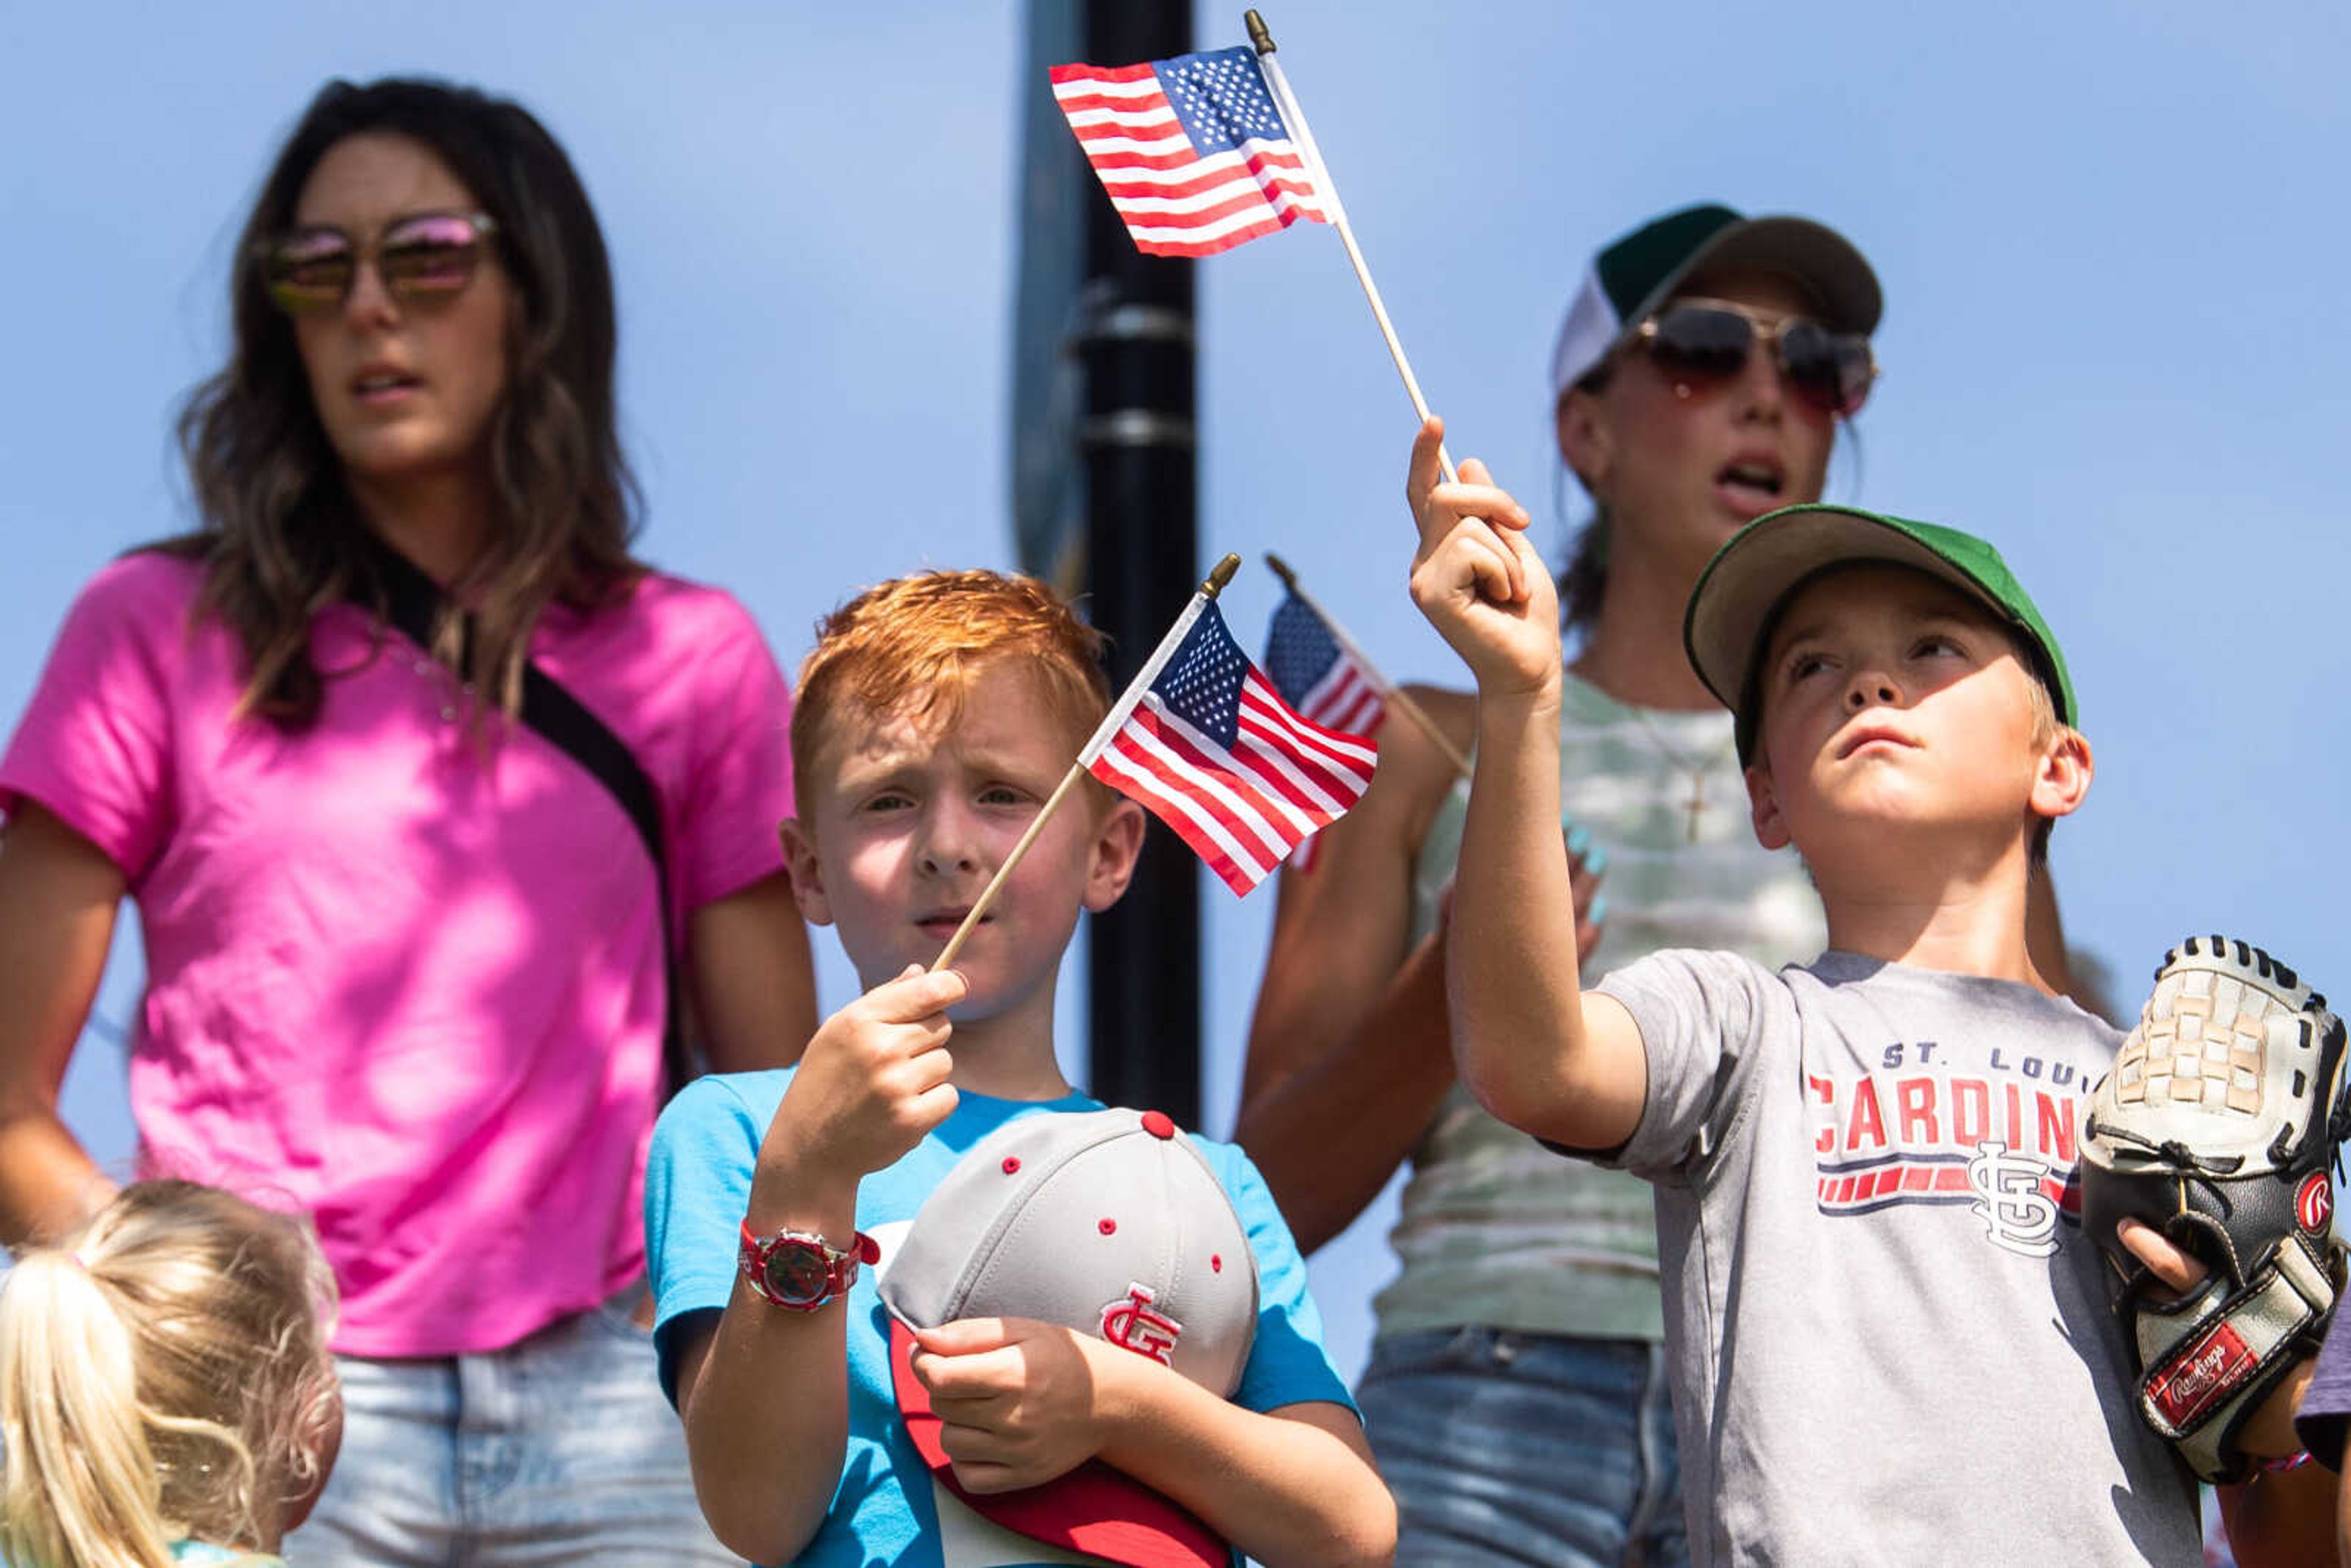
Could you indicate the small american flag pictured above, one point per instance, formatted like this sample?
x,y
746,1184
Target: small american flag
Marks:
x,y
1316,675
1193,152
1215,752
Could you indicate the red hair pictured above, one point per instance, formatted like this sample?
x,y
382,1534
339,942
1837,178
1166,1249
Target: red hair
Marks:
x,y
913,646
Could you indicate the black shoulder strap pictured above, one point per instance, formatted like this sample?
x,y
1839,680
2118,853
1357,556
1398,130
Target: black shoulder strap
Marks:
x,y
414,603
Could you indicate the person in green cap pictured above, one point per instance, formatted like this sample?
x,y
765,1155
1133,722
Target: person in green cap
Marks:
x,y
1888,1330
1517,1396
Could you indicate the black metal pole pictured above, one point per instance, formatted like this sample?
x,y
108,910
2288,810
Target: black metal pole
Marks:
x,y
1144,995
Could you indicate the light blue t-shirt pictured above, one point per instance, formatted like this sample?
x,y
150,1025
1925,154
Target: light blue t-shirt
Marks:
x,y
887,1508
204,1554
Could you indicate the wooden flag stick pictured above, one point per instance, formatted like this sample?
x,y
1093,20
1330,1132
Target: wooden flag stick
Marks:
x,y
1262,39
1387,688
1111,723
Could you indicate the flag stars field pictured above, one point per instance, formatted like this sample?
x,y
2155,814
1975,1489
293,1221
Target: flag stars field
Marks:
x,y
1220,102
1193,152
1203,687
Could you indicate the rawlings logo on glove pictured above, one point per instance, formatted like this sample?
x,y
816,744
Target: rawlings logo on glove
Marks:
x,y
2217,1126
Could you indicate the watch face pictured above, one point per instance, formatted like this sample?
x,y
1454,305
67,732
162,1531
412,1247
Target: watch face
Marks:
x,y
798,1272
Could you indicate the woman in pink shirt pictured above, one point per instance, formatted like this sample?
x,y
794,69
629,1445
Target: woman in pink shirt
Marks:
x,y
408,955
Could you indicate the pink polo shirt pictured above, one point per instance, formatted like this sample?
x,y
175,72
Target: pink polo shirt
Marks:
x,y
412,984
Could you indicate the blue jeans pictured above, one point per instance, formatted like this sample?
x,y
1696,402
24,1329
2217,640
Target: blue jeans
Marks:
x,y
1526,1449
559,1449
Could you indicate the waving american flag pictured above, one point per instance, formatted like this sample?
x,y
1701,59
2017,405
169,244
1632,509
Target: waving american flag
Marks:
x,y
1195,155
1213,750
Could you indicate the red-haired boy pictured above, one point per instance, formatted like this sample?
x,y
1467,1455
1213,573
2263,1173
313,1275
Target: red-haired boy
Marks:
x,y
935,717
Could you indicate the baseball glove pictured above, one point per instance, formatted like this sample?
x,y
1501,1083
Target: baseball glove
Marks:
x,y
2217,1126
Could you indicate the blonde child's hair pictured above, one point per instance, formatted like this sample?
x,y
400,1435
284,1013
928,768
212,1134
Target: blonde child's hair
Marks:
x,y
163,1373
913,647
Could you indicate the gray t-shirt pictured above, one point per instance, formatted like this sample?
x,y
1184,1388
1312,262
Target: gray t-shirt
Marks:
x,y
1889,1337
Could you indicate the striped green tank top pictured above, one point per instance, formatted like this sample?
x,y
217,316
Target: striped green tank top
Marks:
x,y
1496,1229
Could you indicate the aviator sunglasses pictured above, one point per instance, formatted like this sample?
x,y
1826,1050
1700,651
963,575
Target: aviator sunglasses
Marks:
x,y
421,258
1710,339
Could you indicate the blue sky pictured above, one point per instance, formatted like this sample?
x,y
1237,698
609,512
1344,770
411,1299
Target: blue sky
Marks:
x,y
2109,234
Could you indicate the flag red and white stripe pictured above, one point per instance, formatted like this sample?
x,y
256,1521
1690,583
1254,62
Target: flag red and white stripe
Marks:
x,y
1319,673
1231,174
1347,701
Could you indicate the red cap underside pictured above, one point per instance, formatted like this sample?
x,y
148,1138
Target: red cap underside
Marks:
x,y
1095,1509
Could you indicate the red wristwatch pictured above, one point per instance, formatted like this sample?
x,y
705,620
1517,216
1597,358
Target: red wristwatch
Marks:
x,y
797,1270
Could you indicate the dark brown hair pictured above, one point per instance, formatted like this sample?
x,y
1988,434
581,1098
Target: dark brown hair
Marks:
x,y
279,537
1583,582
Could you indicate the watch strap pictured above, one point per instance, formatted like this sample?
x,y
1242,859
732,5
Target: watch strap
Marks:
x,y
841,1265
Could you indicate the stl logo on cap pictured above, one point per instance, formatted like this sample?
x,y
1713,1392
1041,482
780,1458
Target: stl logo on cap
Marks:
x,y
1131,1324
1107,1223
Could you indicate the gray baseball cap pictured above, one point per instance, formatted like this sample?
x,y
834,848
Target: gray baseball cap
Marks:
x,y
1107,1222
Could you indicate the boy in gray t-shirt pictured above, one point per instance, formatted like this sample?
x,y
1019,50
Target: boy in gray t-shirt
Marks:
x,y
1889,1335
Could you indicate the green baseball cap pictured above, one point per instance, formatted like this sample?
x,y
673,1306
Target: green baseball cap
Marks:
x,y
1742,590
1640,271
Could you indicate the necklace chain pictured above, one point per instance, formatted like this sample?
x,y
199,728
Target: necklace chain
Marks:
x,y
1698,770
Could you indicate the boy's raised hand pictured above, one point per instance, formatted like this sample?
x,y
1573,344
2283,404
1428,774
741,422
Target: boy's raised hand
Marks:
x,y
1475,576
872,1081
1019,1402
